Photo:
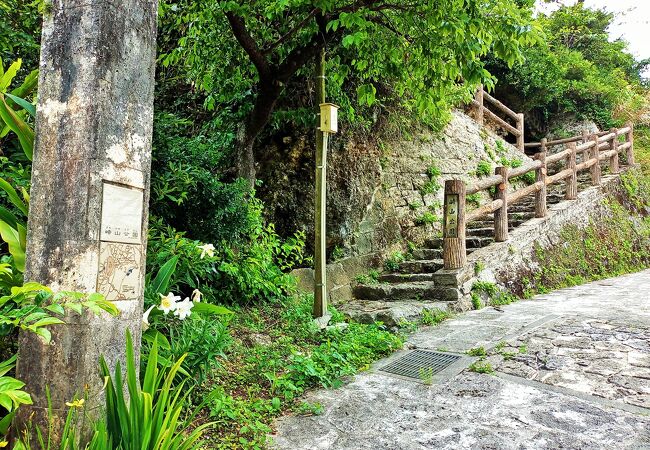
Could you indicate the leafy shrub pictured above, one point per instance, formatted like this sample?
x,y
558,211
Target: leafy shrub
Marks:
x,y
434,316
426,218
430,187
494,294
33,308
474,199
255,270
189,171
576,71
371,278
483,169
481,366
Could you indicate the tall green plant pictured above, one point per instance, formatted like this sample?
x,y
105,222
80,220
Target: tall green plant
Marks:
x,y
151,416
14,108
13,111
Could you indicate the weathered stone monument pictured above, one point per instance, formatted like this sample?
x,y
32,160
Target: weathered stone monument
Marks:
x,y
90,190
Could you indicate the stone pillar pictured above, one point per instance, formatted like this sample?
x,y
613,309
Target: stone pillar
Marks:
x,y
90,190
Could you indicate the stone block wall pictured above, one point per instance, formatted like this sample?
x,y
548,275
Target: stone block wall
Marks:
x,y
401,196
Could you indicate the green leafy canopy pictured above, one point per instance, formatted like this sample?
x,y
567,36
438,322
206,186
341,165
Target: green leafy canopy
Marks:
x,y
418,51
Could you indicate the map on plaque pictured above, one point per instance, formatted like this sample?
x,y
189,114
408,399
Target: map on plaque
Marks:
x,y
119,271
121,214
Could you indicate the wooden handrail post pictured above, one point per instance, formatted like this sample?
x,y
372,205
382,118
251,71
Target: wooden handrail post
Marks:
x,y
595,154
540,175
520,129
501,214
572,180
454,253
479,100
585,139
630,138
613,161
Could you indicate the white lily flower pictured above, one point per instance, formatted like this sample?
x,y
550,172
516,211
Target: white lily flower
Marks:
x,y
145,318
196,295
183,309
207,249
168,302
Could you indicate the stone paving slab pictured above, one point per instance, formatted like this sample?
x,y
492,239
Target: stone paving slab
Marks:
x,y
582,382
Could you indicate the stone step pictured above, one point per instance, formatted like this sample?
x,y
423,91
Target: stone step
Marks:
x,y
405,277
474,242
485,224
427,253
484,232
421,266
519,208
421,290
391,314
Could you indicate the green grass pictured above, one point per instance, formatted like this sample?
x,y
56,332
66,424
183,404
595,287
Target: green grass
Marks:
x,y
394,260
481,366
434,316
371,278
277,354
477,351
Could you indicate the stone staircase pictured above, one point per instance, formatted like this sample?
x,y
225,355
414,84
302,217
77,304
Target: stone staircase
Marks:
x,y
400,297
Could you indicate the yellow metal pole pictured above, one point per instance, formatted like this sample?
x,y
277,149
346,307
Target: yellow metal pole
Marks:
x,y
320,231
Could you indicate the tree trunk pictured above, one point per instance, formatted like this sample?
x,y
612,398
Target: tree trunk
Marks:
x,y
268,95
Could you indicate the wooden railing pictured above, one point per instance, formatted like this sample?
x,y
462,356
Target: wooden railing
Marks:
x,y
592,150
483,112
583,139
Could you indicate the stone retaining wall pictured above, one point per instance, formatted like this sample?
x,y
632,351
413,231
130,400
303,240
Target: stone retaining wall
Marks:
x,y
503,262
390,219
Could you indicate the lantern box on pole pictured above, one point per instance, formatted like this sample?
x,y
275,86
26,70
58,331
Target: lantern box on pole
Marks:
x,y
329,113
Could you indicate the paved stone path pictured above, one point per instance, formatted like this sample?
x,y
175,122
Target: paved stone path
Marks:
x,y
572,372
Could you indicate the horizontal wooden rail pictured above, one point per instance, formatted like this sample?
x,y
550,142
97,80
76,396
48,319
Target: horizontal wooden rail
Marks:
x,y
525,192
495,180
484,210
595,148
499,121
562,141
558,156
501,106
519,171
485,183
559,176
482,112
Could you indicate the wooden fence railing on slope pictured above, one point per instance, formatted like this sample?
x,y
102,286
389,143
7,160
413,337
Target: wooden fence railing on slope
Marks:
x,y
483,101
592,149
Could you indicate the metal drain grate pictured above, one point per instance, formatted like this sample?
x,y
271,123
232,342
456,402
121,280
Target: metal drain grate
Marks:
x,y
414,364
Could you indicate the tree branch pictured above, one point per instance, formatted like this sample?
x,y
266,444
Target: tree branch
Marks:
x,y
290,33
248,44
